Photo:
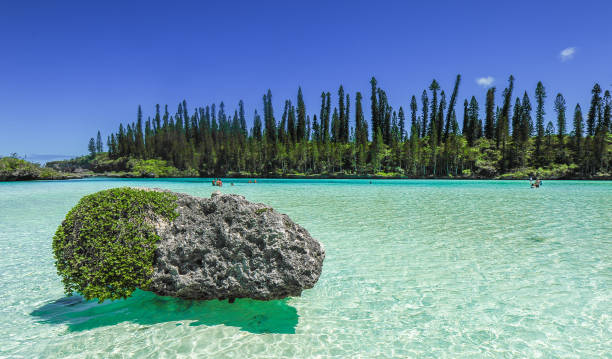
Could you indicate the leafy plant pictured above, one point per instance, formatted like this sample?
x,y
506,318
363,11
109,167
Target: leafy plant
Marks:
x,y
104,248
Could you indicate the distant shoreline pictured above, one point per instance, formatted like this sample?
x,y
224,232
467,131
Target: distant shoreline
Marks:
x,y
298,177
16,169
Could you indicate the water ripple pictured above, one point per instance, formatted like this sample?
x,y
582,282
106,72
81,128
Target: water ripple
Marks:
x,y
433,269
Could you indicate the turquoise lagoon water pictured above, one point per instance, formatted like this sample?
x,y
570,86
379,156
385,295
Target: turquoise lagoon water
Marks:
x,y
429,269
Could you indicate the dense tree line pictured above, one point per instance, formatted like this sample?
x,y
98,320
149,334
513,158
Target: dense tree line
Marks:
x,y
423,140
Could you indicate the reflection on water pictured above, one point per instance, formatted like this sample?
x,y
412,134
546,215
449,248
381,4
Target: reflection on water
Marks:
x,y
146,308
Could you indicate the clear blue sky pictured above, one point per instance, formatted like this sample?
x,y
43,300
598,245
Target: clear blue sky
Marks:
x,y
68,69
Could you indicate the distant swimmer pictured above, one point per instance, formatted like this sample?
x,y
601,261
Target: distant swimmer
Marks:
x,y
535,184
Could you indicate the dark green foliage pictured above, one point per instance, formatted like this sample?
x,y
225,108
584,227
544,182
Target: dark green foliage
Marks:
x,y
474,131
502,125
374,108
433,123
209,142
104,248
424,109
489,129
361,127
465,128
91,147
595,110
301,116
440,118
451,107
414,121
607,113
340,132
516,120
560,110
99,143
256,130
401,123
540,96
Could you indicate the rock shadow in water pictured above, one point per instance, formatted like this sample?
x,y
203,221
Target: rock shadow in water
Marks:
x,y
146,308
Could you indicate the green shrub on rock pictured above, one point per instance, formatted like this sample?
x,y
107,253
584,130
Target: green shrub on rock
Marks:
x,y
104,248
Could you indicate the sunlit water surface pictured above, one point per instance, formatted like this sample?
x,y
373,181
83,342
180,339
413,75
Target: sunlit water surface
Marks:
x,y
439,269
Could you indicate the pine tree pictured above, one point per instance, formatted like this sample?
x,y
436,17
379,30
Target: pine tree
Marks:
x,y
516,121
451,106
360,125
99,143
157,119
490,114
540,96
111,143
594,110
424,109
345,124
475,123
374,108
503,127
434,87
335,125
440,117
560,110
607,112
384,112
92,147
282,134
139,143
341,113
401,124
291,124
465,129
269,121
526,122
301,116
256,130
243,126
414,125
578,132
327,117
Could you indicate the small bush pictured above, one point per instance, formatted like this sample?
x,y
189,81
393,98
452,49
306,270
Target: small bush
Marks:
x,y
104,248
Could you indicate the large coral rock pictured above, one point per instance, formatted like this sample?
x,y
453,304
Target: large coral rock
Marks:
x,y
226,247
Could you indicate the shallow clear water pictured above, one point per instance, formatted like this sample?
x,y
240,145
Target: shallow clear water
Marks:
x,y
413,269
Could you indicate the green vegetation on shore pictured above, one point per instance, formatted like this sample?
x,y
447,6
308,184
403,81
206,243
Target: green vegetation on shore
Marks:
x,y
101,164
425,141
104,248
16,169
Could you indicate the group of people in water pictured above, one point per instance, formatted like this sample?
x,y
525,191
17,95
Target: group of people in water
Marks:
x,y
217,182
535,184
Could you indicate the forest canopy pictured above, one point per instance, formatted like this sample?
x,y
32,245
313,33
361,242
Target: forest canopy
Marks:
x,y
514,138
